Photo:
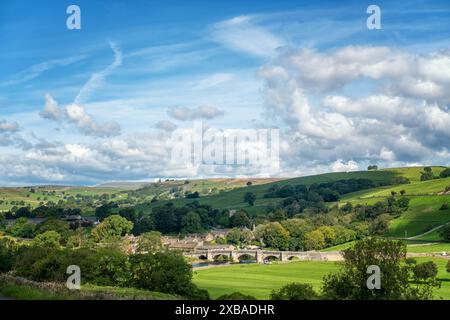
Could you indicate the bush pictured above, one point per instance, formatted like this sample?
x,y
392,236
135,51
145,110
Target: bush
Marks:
x,y
164,271
7,251
236,296
444,232
444,206
424,271
294,291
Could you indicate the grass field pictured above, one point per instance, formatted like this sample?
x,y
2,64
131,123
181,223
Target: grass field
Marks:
x,y
260,280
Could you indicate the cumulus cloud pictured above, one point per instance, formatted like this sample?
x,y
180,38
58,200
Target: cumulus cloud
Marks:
x,y
76,114
6,126
339,166
202,112
327,120
165,125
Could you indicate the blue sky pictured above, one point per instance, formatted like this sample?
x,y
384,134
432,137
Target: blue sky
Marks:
x,y
98,104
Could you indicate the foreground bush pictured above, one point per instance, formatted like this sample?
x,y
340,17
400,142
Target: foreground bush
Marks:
x,y
295,291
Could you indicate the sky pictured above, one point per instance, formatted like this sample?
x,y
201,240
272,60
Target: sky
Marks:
x,y
102,103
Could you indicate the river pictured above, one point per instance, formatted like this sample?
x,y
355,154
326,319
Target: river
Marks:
x,y
202,264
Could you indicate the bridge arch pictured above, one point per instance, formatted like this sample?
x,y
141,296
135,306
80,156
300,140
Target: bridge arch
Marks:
x,y
246,256
292,258
221,257
271,257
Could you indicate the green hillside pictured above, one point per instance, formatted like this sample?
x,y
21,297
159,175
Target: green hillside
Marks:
x,y
234,199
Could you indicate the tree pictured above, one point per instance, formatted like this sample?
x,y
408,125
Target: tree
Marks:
x,y
164,271
22,228
294,291
380,224
402,192
444,232
350,283
236,296
112,228
193,195
2,221
250,198
47,239
427,174
149,242
372,167
425,271
239,236
314,240
273,235
240,219
8,249
191,223
103,211
52,224
445,173
128,213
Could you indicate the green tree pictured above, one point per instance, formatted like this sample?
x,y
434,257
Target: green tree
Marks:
x,y
22,228
427,174
250,198
236,296
380,224
314,240
150,242
47,239
350,283
445,173
52,224
164,271
191,223
8,249
240,219
425,271
273,235
444,232
111,228
295,291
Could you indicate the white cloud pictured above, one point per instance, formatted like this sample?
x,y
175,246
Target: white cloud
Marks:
x,y
202,112
339,166
76,114
8,126
242,34
325,117
166,125
36,70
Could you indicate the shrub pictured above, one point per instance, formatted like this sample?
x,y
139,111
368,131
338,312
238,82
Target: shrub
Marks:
x,y
236,296
425,270
294,291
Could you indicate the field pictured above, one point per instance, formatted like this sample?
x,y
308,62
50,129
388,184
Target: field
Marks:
x,y
260,280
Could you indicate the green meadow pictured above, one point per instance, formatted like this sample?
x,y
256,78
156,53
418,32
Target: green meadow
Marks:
x,y
260,280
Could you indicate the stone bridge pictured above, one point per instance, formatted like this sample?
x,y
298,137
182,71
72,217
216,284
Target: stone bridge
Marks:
x,y
261,255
